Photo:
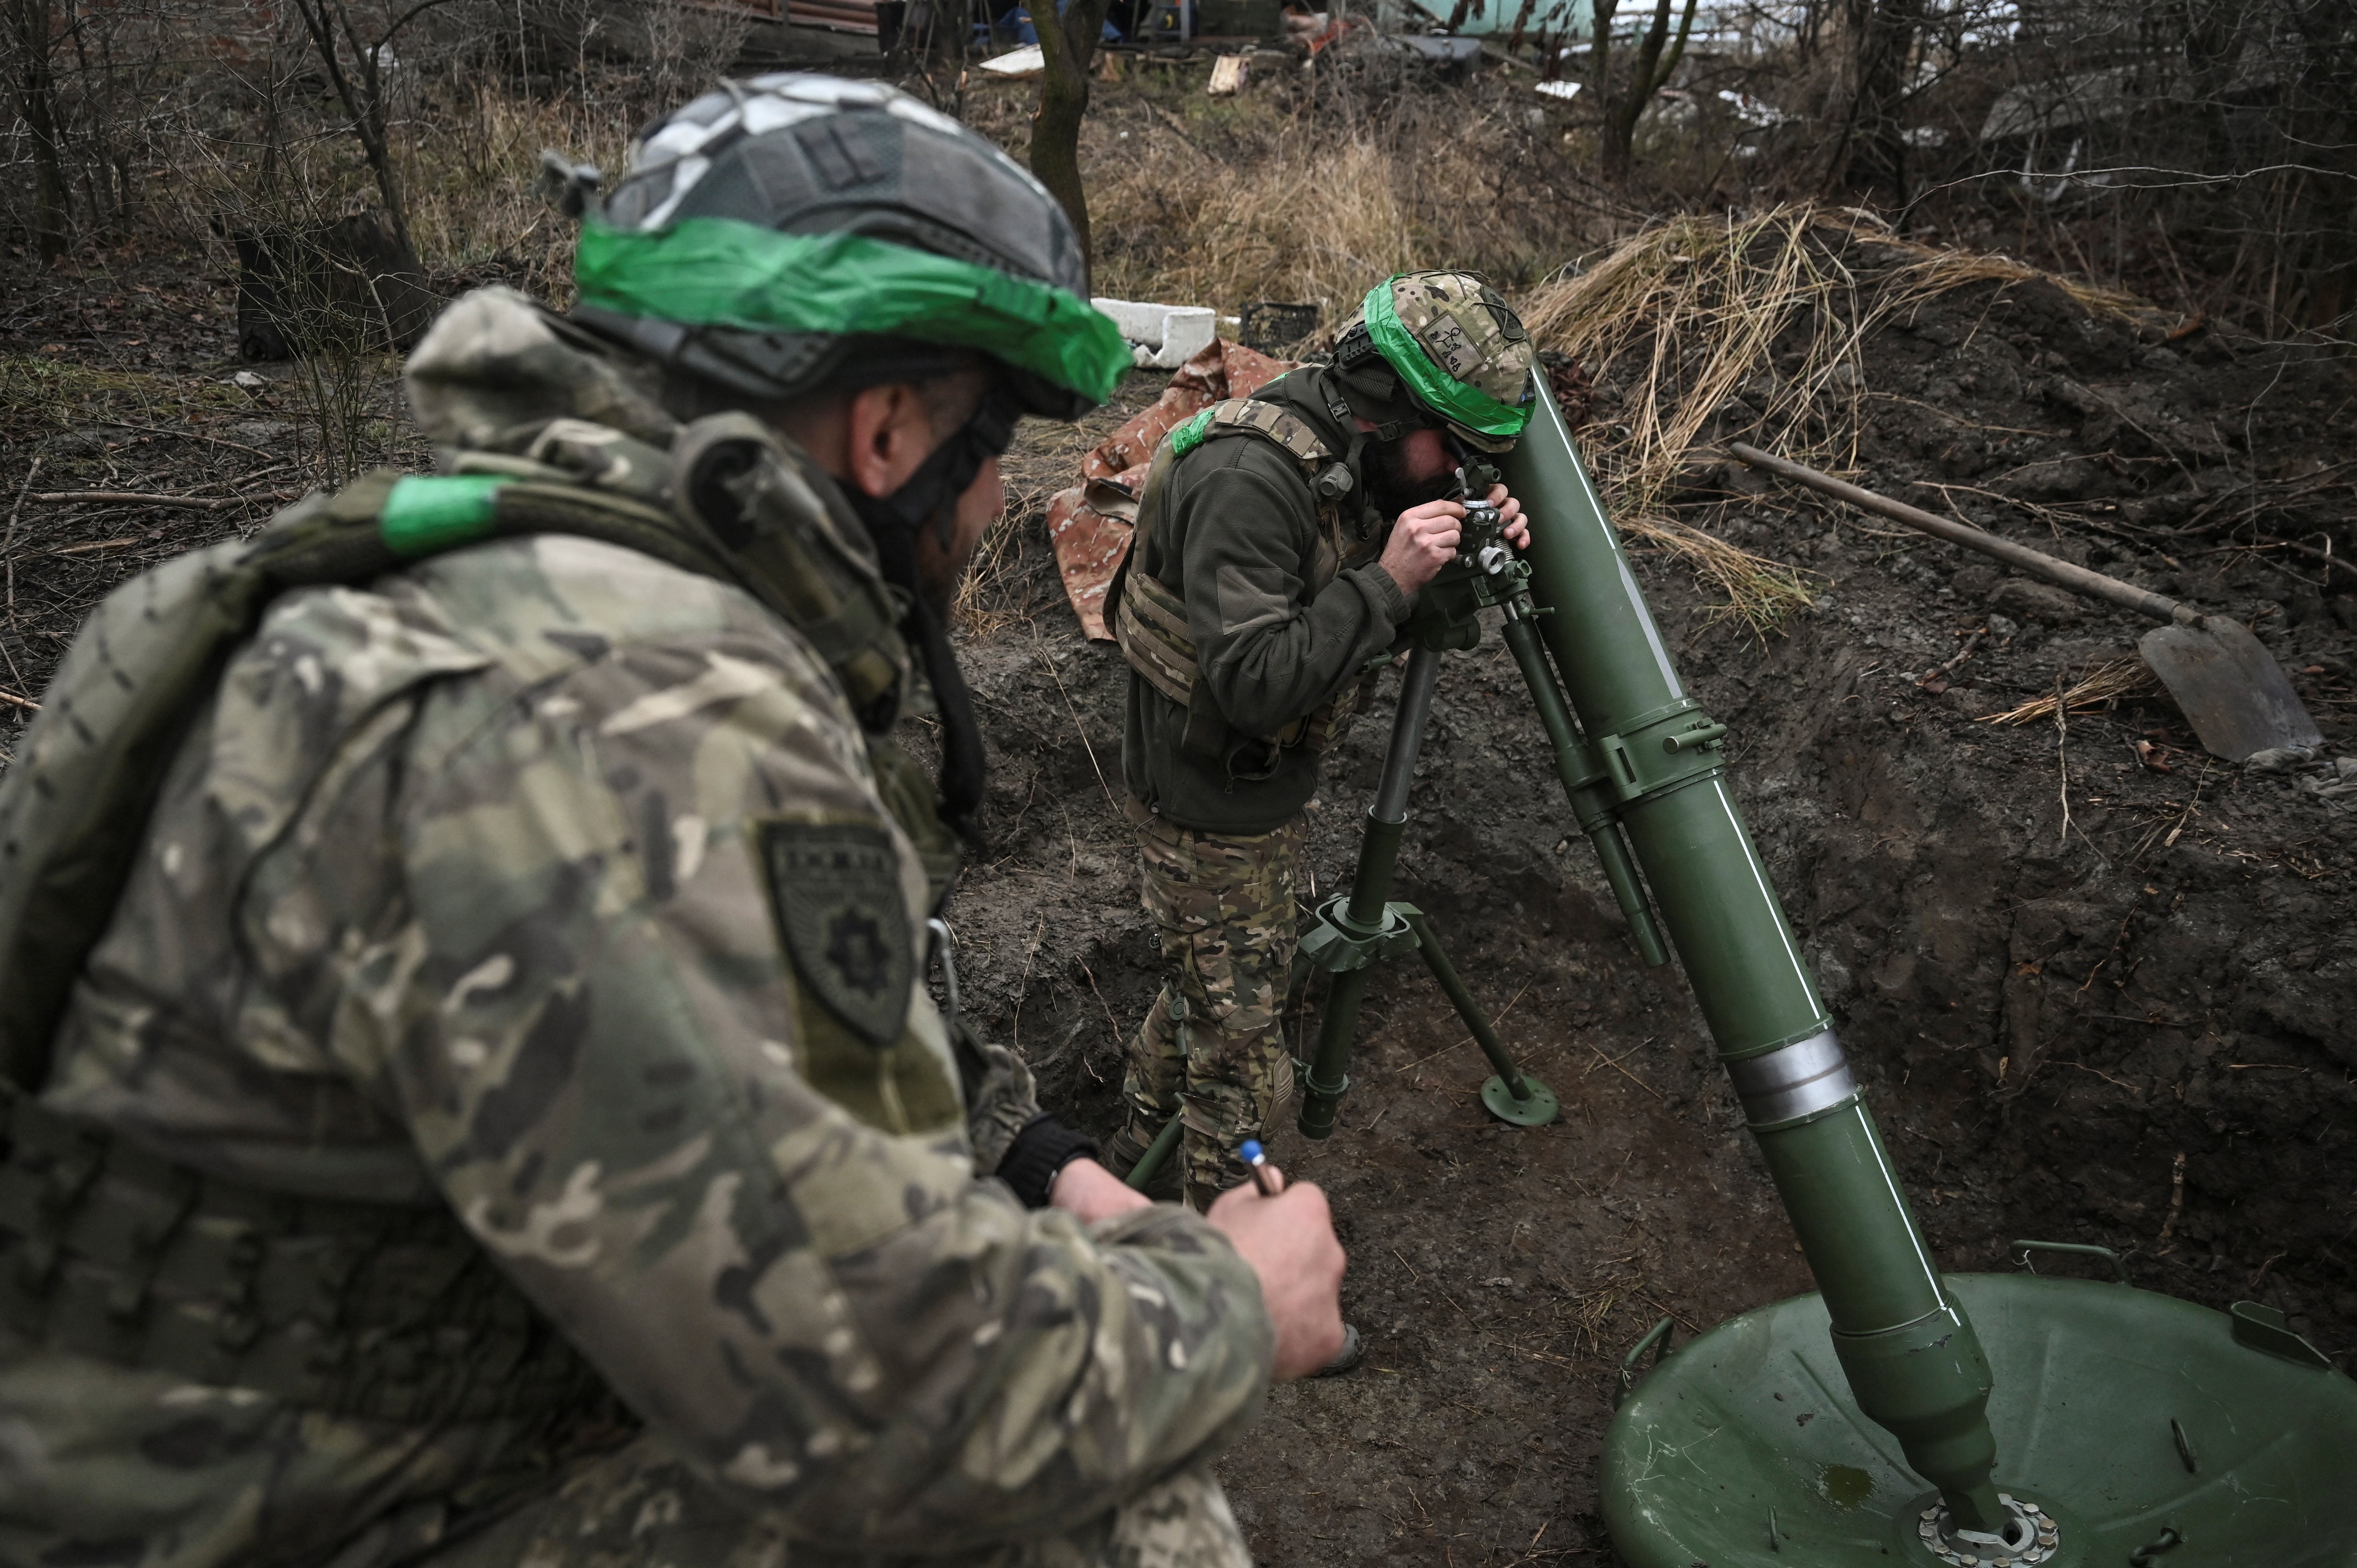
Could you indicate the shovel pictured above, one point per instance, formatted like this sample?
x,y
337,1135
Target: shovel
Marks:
x,y
2230,689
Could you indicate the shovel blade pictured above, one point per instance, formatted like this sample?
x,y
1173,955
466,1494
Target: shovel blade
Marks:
x,y
2230,688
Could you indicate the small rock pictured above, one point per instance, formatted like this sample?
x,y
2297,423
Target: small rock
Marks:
x,y
2002,626
246,381
2346,767
1974,582
2276,759
2027,600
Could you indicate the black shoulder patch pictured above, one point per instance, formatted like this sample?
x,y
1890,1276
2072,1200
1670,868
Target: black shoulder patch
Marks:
x,y
836,890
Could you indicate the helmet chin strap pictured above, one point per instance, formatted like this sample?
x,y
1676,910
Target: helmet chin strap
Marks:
x,y
931,495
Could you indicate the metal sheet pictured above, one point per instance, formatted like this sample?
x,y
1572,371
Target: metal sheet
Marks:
x,y
2230,688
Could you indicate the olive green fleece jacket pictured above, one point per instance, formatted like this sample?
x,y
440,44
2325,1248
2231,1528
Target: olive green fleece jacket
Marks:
x,y
1281,622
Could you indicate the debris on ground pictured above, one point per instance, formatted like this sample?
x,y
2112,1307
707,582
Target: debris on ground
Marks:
x,y
1089,525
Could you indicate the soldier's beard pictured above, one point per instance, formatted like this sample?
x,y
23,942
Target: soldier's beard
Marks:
x,y
1394,489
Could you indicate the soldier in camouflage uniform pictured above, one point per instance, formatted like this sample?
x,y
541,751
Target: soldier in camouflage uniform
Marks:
x,y
500,1118
1280,543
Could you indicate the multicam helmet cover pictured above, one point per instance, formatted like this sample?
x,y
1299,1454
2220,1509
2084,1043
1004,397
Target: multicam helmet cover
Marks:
x,y
1460,349
767,233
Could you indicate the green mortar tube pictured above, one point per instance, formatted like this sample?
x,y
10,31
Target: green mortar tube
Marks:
x,y
1913,1359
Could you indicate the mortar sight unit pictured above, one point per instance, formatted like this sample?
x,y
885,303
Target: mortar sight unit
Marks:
x,y
1977,1421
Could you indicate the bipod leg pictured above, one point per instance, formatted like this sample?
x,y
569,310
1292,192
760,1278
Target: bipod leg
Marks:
x,y
1513,1095
1355,931
1155,1152
1580,778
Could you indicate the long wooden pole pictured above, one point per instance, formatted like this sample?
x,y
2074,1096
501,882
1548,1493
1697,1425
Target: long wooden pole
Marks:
x,y
2037,563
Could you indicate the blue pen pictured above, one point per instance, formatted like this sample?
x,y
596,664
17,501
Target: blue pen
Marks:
x,y
1265,1175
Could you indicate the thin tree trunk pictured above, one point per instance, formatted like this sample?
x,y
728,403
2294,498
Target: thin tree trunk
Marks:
x,y
1866,154
1648,75
28,24
1067,44
1521,20
363,102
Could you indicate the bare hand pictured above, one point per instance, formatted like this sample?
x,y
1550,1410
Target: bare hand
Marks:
x,y
1089,1190
1289,1241
1422,539
1510,512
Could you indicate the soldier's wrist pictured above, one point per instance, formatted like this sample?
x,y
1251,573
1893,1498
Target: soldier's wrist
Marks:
x,y
1043,1148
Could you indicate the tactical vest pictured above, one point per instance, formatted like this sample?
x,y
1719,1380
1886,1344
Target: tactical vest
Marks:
x,y
372,1310
1149,618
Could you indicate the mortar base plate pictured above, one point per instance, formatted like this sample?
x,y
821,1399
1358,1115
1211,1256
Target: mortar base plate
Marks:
x,y
1753,1421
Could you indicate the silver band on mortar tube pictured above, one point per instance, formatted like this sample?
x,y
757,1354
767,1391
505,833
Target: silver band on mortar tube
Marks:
x,y
1798,1079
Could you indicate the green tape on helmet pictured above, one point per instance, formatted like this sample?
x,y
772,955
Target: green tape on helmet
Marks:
x,y
717,271
425,513
1458,401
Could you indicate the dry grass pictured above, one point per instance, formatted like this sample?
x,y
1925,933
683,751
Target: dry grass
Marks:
x,y
2101,688
1694,322
471,178
1311,189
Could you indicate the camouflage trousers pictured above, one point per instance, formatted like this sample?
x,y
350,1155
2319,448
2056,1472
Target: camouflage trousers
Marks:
x,y
641,1507
1212,1048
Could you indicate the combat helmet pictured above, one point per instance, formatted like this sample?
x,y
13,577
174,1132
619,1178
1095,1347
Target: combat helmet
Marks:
x,y
1439,348
794,232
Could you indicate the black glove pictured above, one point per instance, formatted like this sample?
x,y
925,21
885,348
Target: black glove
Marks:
x,y
1044,1147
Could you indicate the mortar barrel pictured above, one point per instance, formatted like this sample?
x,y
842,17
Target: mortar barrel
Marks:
x,y
1913,1362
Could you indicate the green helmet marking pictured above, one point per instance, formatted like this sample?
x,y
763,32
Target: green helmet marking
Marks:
x,y
717,271
1492,355
427,514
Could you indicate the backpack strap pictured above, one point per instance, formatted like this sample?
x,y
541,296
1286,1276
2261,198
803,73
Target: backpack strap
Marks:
x,y
74,809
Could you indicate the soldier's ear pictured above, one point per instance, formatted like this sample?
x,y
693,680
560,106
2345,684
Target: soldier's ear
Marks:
x,y
891,434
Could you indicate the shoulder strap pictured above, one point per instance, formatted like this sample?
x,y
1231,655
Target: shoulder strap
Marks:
x,y
1287,430
74,809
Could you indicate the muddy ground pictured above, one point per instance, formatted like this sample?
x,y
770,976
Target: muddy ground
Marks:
x,y
2060,970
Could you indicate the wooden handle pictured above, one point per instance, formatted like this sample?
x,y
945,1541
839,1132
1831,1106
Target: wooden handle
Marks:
x,y
2078,579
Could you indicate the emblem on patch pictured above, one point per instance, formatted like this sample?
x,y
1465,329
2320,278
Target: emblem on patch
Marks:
x,y
836,890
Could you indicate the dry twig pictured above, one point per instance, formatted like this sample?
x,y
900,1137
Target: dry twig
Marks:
x,y
135,497
8,546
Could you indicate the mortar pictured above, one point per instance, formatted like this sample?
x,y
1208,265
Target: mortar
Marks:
x,y
2038,1411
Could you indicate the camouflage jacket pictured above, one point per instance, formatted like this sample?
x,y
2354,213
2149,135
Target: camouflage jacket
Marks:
x,y
1281,619
486,885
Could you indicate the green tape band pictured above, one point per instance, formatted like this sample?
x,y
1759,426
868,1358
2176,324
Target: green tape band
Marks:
x,y
1443,393
1190,436
425,514
717,272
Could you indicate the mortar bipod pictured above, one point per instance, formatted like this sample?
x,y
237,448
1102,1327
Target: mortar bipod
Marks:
x,y
1355,931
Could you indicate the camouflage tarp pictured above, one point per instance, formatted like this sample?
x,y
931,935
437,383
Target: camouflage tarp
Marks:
x,y
1089,523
